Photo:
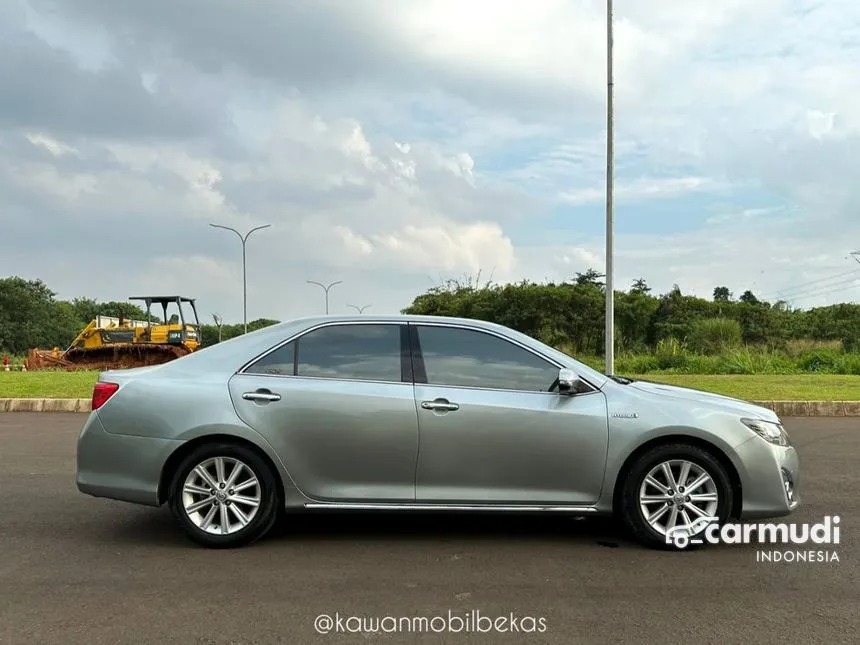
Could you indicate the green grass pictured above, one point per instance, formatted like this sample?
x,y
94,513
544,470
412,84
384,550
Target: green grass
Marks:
x,y
47,384
672,358
768,387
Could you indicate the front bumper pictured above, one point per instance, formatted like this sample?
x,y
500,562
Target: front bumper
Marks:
x,y
121,467
770,481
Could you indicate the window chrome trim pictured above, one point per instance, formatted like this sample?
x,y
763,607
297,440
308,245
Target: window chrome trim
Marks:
x,y
478,388
340,379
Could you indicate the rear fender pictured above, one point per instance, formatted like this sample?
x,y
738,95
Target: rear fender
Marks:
x,y
243,434
193,411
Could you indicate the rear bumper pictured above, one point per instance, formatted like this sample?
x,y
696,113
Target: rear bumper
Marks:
x,y
120,467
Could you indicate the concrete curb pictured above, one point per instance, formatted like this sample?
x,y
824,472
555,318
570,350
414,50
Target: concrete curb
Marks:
x,y
45,405
782,408
812,408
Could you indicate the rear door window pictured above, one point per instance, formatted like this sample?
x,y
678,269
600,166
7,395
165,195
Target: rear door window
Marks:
x,y
366,352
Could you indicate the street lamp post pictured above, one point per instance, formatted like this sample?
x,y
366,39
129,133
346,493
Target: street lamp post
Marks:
x,y
326,289
244,239
610,177
359,309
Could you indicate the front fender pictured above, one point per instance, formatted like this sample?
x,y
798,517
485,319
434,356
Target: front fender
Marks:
x,y
625,447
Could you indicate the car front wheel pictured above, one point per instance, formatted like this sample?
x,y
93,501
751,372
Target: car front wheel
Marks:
x,y
672,493
224,496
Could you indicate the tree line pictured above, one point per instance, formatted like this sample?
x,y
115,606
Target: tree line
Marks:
x,y
572,314
568,314
31,316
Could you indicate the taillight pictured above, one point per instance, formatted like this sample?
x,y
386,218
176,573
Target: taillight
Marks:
x,y
102,392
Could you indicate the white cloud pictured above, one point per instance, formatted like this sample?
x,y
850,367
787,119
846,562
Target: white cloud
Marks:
x,y
390,148
52,145
446,246
641,189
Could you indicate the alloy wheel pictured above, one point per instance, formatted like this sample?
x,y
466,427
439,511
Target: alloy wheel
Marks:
x,y
221,495
677,492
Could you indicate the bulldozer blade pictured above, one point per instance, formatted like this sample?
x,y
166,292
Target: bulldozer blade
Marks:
x,y
45,359
112,357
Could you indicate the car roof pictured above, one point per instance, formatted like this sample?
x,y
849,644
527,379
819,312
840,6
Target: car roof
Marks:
x,y
348,317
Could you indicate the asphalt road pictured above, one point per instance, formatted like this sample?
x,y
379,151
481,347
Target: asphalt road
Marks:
x,y
74,569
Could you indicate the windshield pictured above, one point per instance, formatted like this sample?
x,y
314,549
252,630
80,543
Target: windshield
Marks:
x,y
622,380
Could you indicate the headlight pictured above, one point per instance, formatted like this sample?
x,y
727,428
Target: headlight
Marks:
x,y
769,431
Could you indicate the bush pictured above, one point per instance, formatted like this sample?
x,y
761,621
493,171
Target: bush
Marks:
x,y
747,361
556,338
672,358
700,364
637,364
800,346
714,335
670,354
848,364
821,360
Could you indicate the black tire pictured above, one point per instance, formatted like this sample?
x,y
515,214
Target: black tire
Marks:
x,y
266,512
631,514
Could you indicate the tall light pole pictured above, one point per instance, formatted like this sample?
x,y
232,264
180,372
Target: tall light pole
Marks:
x,y
244,239
326,289
610,180
359,309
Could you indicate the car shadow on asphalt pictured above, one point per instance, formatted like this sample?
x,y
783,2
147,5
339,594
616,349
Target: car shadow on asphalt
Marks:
x,y
371,526
156,527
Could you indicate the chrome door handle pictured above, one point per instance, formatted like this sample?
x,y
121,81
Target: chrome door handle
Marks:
x,y
261,396
439,404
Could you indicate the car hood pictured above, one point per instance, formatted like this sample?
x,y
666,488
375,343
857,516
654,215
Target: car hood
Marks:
x,y
705,398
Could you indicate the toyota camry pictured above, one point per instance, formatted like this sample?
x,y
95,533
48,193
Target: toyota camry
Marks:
x,y
423,413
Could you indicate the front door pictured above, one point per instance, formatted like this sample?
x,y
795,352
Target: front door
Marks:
x,y
490,429
337,405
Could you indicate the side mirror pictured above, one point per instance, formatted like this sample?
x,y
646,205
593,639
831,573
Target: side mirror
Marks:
x,y
568,382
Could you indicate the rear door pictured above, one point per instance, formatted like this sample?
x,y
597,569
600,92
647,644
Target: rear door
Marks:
x,y
337,404
491,429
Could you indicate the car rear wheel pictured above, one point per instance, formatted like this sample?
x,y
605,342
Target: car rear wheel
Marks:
x,y
224,496
676,491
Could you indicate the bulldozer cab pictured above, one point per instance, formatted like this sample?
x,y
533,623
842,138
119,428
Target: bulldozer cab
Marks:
x,y
177,328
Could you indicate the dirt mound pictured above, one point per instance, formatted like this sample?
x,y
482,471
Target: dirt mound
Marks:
x,y
114,357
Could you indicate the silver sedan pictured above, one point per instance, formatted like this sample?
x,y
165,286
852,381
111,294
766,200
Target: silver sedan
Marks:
x,y
423,413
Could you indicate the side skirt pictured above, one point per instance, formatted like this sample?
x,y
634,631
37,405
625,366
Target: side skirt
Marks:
x,y
448,507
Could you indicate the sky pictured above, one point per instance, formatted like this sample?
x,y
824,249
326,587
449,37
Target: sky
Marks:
x,y
395,145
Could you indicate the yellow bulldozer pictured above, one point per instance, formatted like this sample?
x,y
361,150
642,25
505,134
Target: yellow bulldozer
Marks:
x,y
108,343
